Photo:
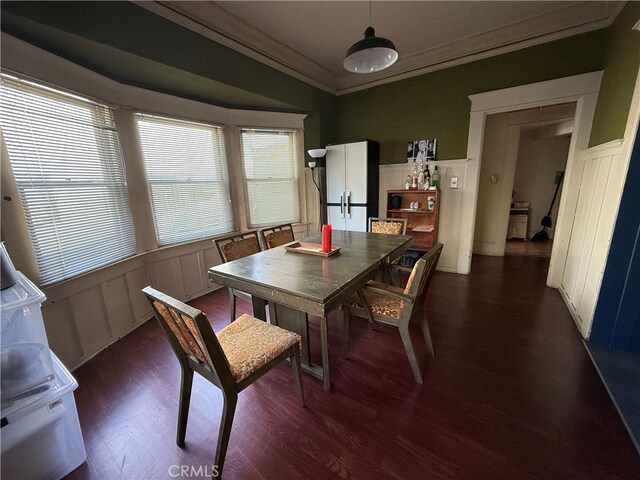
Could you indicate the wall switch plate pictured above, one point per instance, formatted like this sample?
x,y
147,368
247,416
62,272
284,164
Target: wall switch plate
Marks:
x,y
453,182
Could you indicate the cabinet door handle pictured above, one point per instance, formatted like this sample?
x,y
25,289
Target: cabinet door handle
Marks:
x,y
342,204
349,204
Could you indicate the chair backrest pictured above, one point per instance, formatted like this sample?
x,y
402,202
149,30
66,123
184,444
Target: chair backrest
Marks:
x,y
390,226
190,335
421,274
236,246
276,236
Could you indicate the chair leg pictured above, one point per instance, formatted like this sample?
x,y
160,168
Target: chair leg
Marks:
x,y
393,277
426,332
324,347
297,372
185,399
411,354
367,308
228,411
346,325
232,305
384,272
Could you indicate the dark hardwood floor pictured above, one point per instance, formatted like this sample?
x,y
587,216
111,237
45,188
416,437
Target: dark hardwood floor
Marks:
x,y
511,394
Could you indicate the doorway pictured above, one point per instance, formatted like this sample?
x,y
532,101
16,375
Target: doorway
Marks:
x,y
581,89
522,152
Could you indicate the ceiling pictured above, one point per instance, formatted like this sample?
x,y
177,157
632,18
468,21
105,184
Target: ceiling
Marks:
x,y
308,39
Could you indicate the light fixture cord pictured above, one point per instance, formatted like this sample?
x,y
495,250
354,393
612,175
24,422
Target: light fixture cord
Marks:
x,y
370,13
319,195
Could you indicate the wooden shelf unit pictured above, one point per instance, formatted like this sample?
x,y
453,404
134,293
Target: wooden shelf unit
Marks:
x,y
422,218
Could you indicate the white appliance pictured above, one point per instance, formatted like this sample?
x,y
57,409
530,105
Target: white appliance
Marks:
x,y
352,184
40,436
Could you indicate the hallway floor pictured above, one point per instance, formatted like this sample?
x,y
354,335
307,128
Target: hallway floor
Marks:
x,y
529,248
511,394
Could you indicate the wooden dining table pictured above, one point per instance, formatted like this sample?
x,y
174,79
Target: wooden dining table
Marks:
x,y
296,284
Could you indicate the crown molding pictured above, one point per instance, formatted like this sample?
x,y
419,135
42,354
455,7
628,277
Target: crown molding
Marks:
x,y
572,20
27,60
214,22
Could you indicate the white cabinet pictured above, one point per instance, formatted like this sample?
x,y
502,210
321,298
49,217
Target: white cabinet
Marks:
x,y
352,184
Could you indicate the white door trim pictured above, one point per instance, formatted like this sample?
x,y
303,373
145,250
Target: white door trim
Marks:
x,y
582,89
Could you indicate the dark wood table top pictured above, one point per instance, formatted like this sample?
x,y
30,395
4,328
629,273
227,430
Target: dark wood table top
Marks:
x,y
310,283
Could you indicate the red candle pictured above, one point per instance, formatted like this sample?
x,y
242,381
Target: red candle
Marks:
x,y
326,238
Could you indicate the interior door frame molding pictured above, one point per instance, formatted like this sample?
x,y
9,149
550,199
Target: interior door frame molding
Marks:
x,y
582,89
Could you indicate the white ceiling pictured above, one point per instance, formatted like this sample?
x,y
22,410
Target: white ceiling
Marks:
x,y
308,39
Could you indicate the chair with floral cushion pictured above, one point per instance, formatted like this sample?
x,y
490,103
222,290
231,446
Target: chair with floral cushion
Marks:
x,y
397,306
232,359
233,247
388,226
276,236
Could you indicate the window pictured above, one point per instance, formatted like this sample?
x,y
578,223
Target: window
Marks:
x,y
187,174
68,166
271,176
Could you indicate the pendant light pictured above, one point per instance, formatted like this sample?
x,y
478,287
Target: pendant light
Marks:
x,y
370,54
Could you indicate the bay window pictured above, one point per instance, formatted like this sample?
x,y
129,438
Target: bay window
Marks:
x,y
68,166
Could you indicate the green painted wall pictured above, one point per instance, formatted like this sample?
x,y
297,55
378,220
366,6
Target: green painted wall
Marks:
x,y
620,70
436,105
129,44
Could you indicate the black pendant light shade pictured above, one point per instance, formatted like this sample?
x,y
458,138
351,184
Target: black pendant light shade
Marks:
x,y
371,54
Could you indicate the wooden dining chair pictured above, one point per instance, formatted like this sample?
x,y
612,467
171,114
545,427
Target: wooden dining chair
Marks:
x,y
232,359
233,247
388,226
396,306
276,236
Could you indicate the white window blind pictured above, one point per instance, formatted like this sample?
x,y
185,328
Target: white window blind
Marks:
x,y
187,173
66,157
271,176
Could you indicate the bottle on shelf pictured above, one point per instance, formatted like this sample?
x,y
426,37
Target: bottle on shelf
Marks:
x,y
421,177
435,178
414,178
407,183
427,178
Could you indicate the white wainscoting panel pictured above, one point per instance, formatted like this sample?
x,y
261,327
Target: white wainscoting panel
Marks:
x,y
86,314
192,268
62,334
115,294
601,186
91,320
392,177
136,280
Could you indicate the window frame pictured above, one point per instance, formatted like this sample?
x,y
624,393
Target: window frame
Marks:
x,y
50,189
139,115
299,165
